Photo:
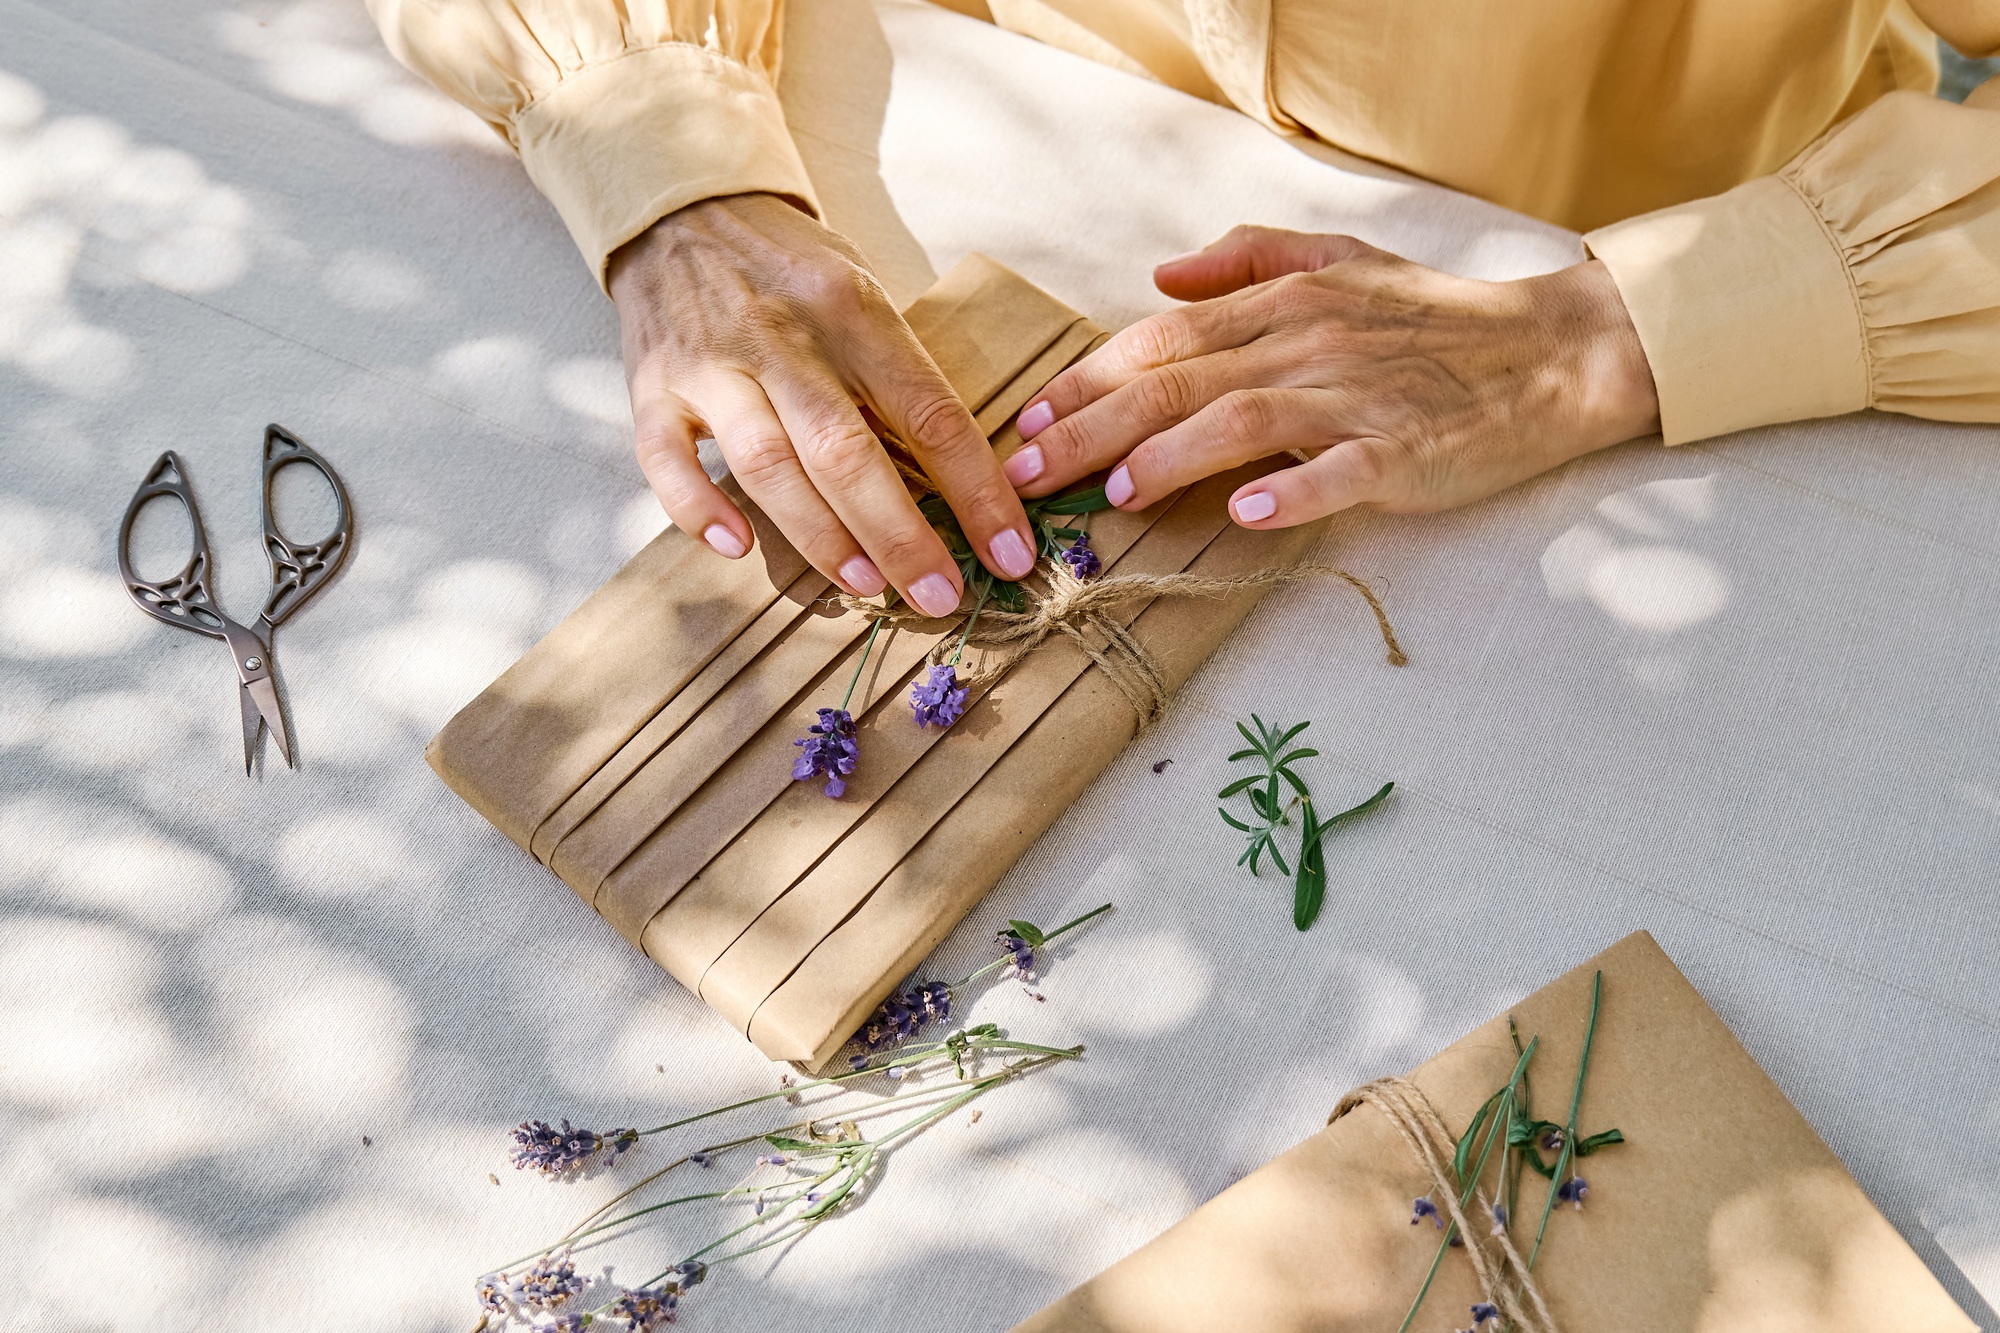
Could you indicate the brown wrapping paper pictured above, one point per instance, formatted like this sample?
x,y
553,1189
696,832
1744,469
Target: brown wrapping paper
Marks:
x,y
1722,1213
643,749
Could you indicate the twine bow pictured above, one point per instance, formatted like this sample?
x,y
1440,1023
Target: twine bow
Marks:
x,y
1504,1280
1080,609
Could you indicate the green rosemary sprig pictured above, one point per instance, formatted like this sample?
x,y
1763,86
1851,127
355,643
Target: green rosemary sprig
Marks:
x,y
1270,812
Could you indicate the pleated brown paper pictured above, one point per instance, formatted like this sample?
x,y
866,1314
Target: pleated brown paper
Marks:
x,y
643,750
1723,1212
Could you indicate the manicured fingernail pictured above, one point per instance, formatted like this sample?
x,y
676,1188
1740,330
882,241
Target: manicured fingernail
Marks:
x,y
861,575
1256,506
1011,553
1118,487
1035,419
1024,465
934,595
1179,259
723,540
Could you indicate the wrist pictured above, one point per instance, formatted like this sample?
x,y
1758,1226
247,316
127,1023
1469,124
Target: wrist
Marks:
x,y
1607,383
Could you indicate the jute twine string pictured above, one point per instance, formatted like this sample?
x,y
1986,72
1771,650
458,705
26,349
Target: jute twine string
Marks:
x,y
1080,609
1504,1280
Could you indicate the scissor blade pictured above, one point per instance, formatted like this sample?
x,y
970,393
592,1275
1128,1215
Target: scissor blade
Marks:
x,y
266,695
252,720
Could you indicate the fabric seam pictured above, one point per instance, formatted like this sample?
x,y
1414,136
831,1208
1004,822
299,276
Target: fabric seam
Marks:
x,y
585,71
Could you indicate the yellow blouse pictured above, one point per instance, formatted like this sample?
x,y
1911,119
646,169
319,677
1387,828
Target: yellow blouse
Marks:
x,y
1797,227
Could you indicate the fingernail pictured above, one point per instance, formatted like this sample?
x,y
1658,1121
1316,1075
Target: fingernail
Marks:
x,y
1024,466
934,595
1118,486
1256,506
723,540
1011,553
1035,419
1179,259
861,575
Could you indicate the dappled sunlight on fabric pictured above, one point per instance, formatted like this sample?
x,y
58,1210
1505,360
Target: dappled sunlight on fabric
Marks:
x,y
349,853
64,611
391,1266
1179,981
101,1263
1644,584
105,859
594,387
75,998
124,728
639,522
317,1034
324,53
375,282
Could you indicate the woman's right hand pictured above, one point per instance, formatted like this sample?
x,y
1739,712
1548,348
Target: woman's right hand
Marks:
x,y
744,319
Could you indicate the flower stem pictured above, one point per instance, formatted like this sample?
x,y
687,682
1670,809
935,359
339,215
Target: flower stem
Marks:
x,y
985,590
1568,1153
866,648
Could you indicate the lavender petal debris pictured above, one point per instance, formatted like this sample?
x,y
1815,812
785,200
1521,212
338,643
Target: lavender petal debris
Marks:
x,y
560,1152
1423,1208
939,701
829,752
1082,561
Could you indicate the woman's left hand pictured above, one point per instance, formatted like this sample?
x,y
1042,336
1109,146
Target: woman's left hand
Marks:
x,y
1408,389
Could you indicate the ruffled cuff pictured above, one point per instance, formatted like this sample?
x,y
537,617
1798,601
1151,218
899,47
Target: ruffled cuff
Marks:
x,y
1745,308
618,146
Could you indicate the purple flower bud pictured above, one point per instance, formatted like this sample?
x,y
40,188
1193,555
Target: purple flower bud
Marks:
x,y
1499,1218
1424,1208
1484,1311
829,752
702,1159
1552,1141
1573,1190
939,701
1082,561
814,1197
773,1159
857,1062
896,1072
540,1146
549,1283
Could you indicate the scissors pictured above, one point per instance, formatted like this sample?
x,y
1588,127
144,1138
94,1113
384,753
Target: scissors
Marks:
x,y
298,570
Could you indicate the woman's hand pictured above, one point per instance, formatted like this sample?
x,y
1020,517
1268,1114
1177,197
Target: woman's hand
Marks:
x,y
744,319
1409,389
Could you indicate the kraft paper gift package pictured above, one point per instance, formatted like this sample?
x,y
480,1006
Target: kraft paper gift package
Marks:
x,y
643,749
1722,1212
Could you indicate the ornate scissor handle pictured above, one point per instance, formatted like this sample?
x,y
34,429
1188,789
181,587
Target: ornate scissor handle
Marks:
x,y
300,569
184,599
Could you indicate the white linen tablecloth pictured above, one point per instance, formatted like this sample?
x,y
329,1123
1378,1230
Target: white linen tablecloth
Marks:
x,y
1740,694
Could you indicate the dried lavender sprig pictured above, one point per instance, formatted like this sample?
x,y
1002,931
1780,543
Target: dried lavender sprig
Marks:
x,y
857,1157
1063,929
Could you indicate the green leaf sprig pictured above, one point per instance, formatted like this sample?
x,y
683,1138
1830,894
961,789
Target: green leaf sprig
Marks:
x,y
1271,811
1049,537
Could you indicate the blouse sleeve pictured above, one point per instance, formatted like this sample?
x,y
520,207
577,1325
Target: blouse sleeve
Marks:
x,y
1864,274
621,112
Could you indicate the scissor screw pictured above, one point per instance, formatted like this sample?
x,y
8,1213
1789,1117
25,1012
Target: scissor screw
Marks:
x,y
254,663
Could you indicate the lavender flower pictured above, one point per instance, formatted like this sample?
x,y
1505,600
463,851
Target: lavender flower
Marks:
x,y
645,1308
939,701
773,1159
1552,1141
1572,1191
829,752
896,1073
548,1284
1484,1311
1499,1218
900,1016
687,1273
1082,561
561,1152
702,1159
1424,1208
1023,952
492,1290
567,1323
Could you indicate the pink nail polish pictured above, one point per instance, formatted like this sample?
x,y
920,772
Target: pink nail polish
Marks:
x,y
934,596
1256,506
862,576
1024,465
724,541
1118,487
1011,553
1035,419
